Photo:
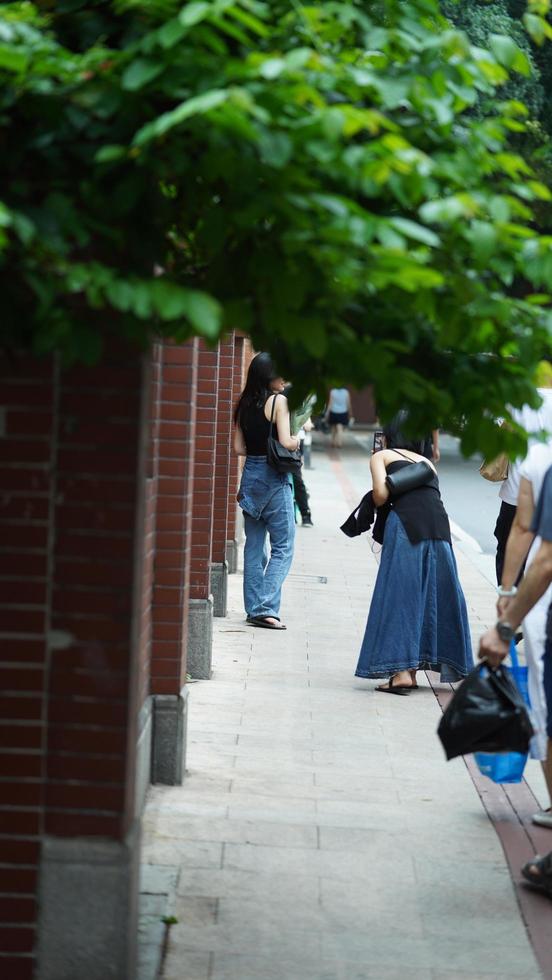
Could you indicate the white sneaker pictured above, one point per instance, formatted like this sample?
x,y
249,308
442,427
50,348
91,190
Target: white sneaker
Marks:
x,y
543,818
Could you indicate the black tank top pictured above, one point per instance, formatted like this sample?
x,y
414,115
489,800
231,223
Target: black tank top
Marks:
x,y
255,427
421,511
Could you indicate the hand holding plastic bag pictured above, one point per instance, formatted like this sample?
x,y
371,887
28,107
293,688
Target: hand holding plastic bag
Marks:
x,y
486,714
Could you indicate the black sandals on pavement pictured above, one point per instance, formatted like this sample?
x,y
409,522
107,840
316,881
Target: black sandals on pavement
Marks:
x,y
391,688
263,623
538,873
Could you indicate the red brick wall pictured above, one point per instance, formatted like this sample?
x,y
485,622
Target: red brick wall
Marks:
x,y
76,549
27,397
223,449
92,700
178,393
69,452
203,493
151,490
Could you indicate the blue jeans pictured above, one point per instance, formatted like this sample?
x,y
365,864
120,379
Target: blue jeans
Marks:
x,y
267,503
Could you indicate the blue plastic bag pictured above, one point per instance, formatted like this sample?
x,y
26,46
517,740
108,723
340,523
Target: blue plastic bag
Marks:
x,y
507,767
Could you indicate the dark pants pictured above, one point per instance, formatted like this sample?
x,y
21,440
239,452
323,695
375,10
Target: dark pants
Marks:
x,y
502,530
301,495
547,679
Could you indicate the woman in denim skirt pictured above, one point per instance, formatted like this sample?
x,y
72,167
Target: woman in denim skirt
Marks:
x,y
418,618
265,496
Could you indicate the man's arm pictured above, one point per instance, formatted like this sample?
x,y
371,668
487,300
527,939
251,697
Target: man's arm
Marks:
x,y
534,585
519,541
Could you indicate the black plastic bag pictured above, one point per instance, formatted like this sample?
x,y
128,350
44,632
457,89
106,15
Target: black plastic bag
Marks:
x,y
486,714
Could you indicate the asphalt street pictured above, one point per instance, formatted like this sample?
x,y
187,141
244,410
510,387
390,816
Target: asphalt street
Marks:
x,y
472,502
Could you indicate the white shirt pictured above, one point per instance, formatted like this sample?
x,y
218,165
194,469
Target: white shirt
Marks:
x,y
532,420
536,465
339,400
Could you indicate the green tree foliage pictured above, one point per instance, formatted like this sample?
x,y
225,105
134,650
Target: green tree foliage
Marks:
x,y
311,173
480,19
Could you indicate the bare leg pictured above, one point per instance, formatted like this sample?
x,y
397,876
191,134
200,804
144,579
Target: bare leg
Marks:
x,y
339,436
401,679
333,437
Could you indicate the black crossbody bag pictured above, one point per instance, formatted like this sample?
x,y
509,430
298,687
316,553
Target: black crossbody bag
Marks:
x,y
409,477
277,456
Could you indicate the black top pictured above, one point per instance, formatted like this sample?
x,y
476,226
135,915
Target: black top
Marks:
x,y
255,427
421,510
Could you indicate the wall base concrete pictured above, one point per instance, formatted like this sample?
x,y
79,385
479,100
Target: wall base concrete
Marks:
x,y
170,724
88,908
200,638
219,585
232,555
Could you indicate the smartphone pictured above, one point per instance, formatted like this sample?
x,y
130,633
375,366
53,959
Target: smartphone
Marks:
x,y
379,441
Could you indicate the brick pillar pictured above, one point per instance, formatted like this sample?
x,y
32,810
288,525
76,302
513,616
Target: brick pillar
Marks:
x,y
90,852
223,455
71,479
200,627
177,419
27,413
234,525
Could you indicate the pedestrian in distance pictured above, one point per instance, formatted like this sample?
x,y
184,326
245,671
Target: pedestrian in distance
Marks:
x,y
431,448
301,425
300,492
265,496
418,618
338,414
495,644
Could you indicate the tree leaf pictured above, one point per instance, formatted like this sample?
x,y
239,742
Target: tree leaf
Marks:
x,y
107,154
12,59
509,54
418,232
139,73
204,313
193,13
483,237
198,105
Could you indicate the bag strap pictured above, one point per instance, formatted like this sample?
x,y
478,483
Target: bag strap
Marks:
x,y
513,655
413,461
404,456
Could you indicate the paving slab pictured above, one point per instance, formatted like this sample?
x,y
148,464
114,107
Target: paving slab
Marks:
x,y
320,833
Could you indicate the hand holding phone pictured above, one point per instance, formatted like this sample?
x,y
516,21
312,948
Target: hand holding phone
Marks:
x,y
379,441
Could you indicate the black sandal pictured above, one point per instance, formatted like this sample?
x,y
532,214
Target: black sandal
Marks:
x,y
262,622
394,688
541,878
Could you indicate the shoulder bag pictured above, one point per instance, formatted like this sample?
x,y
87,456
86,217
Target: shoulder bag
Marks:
x,y
409,477
277,456
497,470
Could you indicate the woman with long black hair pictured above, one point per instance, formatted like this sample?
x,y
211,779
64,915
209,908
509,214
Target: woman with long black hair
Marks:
x,y
418,618
265,496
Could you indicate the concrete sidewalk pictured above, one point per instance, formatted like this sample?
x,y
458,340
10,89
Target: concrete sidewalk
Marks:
x,y
320,834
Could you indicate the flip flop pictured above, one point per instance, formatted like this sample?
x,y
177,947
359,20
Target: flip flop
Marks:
x,y
262,623
394,688
538,873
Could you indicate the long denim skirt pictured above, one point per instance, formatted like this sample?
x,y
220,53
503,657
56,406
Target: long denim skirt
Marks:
x,y
418,618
